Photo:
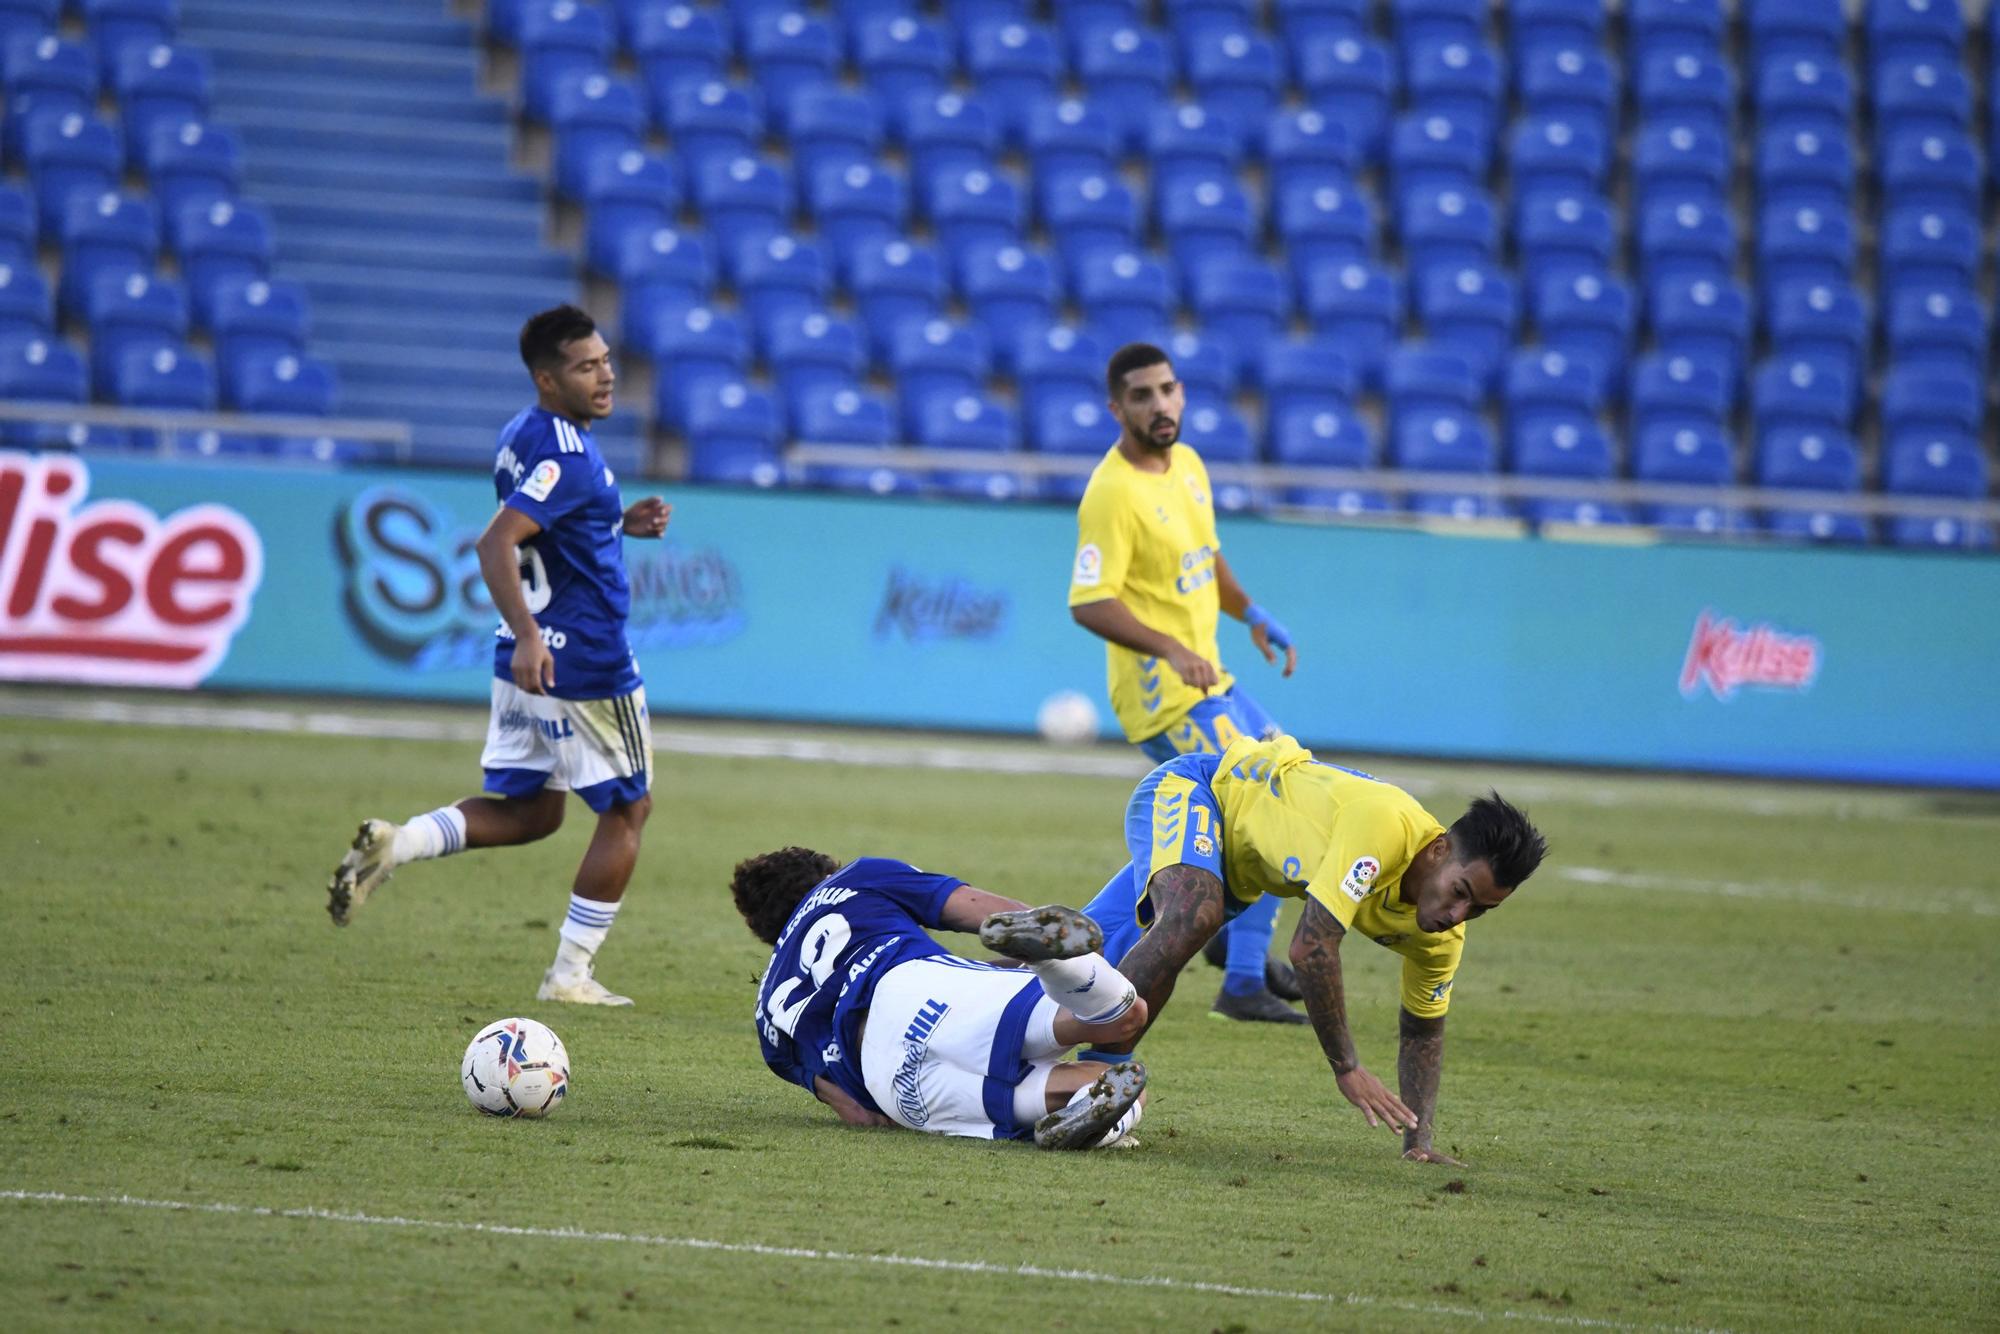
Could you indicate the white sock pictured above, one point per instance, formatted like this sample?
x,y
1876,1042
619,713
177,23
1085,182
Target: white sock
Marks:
x,y
1087,986
583,932
437,833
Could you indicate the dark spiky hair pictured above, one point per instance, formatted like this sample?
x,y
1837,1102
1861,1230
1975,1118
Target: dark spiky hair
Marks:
x,y
767,888
1132,357
547,332
1499,834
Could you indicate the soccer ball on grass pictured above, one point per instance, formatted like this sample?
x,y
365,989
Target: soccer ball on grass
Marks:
x,y
515,1067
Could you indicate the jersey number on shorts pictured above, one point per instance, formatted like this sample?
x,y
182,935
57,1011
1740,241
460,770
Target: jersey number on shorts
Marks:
x,y
534,581
816,955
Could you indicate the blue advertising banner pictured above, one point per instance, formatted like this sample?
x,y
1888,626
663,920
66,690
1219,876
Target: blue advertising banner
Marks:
x,y
1869,665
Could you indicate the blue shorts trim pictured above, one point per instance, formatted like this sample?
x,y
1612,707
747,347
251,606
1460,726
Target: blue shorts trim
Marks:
x,y
601,797
515,782
1004,1066
1210,726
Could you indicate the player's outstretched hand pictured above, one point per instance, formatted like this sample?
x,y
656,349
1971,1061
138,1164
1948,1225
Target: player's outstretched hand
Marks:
x,y
1268,635
648,517
533,666
1430,1155
1192,668
1381,1107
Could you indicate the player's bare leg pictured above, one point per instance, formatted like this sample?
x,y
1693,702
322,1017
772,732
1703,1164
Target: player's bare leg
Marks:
x,y
477,822
600,886
1187,911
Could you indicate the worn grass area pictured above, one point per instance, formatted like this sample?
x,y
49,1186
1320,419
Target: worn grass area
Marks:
x,y
1729,1061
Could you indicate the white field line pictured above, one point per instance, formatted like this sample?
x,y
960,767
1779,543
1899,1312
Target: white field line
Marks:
x,y
850,1259
1900,898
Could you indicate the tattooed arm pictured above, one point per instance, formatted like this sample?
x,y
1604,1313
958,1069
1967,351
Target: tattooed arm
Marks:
x,y
1187,910
1316,959
1419,1061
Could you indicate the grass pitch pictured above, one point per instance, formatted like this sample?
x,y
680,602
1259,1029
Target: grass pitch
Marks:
x,y
1729,1061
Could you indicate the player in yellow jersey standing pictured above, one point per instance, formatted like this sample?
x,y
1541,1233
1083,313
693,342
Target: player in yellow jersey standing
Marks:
x,y
1210,835
1150,580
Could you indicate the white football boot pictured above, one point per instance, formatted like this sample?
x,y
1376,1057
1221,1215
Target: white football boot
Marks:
x,y
584,990
370,860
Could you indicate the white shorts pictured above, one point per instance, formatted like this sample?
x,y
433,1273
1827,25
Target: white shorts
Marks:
x,y
957,1047
601,749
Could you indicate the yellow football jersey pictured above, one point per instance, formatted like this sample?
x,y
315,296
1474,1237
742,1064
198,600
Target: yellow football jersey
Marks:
x,y
1295,826
1148,539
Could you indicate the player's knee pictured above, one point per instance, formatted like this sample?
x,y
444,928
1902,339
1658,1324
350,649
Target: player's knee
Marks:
x,y
1129,1024
635,812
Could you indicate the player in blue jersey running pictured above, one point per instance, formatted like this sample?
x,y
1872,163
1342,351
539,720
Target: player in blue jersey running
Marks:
x,y
569,709
861,1008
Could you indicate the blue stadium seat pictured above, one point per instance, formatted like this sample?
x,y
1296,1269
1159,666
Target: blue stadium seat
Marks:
x,y
1210,16
711,122
1702,520
1235,73
39,370
592,115
1422,377
1668,27
18,231
1690,454
1920,96
126,308
947,134
965,13
1805,167
1013,65
112,232
1925,396
159,84
1185,142
1009,286
778,275
1563,233
1676,163
1823,321
1219,436
855,205
1126,296
1306,22
1068,136
27,309
1471,311
1324,224
1088,213
1914,29
700,347
969,422
661,273
1796,29
286,384
1799,391
1442,440
1554,447
1448,227
1536,25
1069,423
1553,156
1675,392
744,198
903,57
29,17
1928,463
44,75
632,193
1207,220
1543,386
1359,307
1589,318
809,350
1930,171
1243,301
1420,22
1319,435
1203,365
556,40
788,52
68,156
1943,326
833,127
1686,239
1806,244
1079,19
161,375
1704,319
219,243
1307,373
1928,247
1804,458
1572,84
849,416
1126,71
1306,144
115,25
936,358
1055,361
675,44
1578,513
1436,151
193,163
895,282
1818,525
1353,80
259,318
733,432
975,207
1804,93
1460,81
1687,88
1941,532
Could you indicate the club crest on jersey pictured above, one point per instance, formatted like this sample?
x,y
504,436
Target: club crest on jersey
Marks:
x,y
1360,878
543,480
1089,565
1204,846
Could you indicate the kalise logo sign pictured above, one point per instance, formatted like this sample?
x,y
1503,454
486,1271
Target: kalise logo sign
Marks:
x,y
1724,658
110,592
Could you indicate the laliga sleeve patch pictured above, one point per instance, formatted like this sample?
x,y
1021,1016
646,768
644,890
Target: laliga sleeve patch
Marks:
x,y
1089,566
543,480
1360,878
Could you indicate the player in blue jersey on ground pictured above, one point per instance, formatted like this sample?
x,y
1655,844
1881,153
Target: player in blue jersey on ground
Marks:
x,y
569,709
860,1007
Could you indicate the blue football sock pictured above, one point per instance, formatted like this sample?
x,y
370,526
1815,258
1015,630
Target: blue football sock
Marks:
x,y
1249,941
1113,910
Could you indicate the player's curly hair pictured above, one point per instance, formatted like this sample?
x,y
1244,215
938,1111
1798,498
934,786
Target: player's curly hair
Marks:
x,y
1499,834
767,888
547,332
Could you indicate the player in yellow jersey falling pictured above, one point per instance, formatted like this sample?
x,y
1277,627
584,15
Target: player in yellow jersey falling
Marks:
x,y
1151,581
1211,834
